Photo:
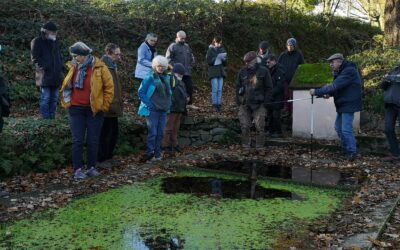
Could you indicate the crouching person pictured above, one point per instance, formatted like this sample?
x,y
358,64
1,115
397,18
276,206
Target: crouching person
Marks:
x,y
87,92
155,95
253,93
178,104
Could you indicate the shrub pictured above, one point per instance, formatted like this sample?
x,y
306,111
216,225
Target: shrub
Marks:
x,y
32,144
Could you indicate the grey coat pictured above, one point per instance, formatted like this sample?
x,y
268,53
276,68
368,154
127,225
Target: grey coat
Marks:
x,y
181,53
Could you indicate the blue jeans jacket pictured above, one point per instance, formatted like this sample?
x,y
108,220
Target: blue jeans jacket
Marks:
x,y
143,65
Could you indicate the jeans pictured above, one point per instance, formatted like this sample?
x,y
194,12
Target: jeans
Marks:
x,y
217,83
344,129
155,128
392,113
189,87
108,138
48,102
82,122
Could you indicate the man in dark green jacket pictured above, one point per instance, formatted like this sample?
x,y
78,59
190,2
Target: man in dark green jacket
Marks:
x,y
109,131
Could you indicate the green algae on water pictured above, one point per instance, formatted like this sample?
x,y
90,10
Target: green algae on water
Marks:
x,y
136,216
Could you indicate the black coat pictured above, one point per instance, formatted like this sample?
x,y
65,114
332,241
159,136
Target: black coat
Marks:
x,y
4,101
290,61
215,70
46,54
254,89
278,82
179,96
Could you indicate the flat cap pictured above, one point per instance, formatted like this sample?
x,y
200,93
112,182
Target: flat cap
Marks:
x,y
336,56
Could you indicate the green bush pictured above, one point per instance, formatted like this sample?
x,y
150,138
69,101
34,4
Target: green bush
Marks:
x,y
98,22
32,144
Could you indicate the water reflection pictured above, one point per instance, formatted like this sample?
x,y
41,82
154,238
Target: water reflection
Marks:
x,y
321,176
231,189
134,240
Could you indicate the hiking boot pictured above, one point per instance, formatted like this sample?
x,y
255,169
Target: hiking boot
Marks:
x,y
79,175
246,141
178,149
92,172
260,141
191,106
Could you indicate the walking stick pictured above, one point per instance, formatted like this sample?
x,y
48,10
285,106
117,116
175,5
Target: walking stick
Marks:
x,y
312,126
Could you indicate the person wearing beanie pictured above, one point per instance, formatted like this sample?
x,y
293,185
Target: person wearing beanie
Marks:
x,y
290,60
87,92
180,52
263,52
46,55
253,96
216,60
109,130
179,100
155,95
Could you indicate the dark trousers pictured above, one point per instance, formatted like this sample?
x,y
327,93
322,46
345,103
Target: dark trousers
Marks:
x,y
83,123
189,87
171,130
108,138
392,113
274,121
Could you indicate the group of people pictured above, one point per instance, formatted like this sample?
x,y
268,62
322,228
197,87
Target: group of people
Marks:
x,y
92,93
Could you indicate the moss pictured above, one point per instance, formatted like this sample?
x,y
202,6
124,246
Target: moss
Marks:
x,y
311,76
122,218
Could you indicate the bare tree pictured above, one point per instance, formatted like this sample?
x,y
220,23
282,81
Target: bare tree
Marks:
x,y
392,23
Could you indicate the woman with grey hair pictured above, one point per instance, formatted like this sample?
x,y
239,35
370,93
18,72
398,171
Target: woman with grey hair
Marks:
x,y
146,52
155,95
87,92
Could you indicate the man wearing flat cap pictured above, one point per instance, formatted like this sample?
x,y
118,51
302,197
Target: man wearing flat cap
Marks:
x,y
346,90
253,95
46,55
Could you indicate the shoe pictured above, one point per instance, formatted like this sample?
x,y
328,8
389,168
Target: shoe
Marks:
x,y
92,172
178,149
191,106
158,158
79,175
219,108
167,150
351,156
391,158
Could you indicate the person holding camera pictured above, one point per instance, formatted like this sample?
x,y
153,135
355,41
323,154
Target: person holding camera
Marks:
x,y
253,95
391,85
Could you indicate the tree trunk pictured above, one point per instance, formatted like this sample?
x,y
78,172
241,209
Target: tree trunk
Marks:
x,y
392,23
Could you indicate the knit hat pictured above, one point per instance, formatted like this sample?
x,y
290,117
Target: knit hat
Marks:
x,y
335,56
178,68
50,26
249,56
79,48
263,45
291,41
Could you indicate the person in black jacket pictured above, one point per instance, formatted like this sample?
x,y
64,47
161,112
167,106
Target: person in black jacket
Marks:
x,y
46,55
391,85
274,110
290,60
253,93
4,101
179,100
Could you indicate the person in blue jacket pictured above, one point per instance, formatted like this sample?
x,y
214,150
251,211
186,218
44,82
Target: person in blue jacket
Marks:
x,y
146,53
155,95
346,90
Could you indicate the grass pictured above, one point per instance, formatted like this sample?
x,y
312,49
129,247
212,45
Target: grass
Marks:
x,y
312,76
115,219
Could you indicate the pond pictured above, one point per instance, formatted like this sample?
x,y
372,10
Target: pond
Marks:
x,y
193,209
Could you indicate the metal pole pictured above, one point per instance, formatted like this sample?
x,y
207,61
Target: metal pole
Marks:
x,y
312,126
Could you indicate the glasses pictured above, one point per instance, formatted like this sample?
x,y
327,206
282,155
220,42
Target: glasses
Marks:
x,y
268,62
74,56
118,54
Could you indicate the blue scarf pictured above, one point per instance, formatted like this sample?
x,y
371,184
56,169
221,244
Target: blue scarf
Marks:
x,y
82,71
109,62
